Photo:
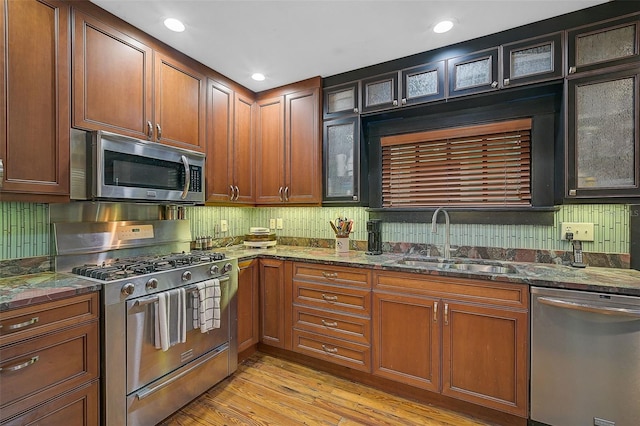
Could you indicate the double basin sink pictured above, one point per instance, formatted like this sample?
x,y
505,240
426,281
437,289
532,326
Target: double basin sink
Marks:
x,y
458,265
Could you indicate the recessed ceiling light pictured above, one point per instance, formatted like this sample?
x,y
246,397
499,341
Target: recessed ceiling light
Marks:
x,y
174,25
258,77
443,27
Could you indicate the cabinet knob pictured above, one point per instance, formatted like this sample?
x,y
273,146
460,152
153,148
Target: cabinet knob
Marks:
x,y
506,82
395,102
356,110
573,192
494,84
404,101
572,70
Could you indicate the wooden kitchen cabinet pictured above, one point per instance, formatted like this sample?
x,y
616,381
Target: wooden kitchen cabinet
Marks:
x,y
275,303
34,106
165,96
472,334
248,304
230,153
332,314
50,360
288,145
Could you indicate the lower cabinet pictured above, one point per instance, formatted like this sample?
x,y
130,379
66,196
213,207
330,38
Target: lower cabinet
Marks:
x,y
50,363
465,339
248,297
275,303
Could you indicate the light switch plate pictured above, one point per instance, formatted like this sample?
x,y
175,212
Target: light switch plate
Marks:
x,y
272,224
582,231
224,225
279,224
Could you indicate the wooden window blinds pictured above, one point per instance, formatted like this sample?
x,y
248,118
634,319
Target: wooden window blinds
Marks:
x,y
477,166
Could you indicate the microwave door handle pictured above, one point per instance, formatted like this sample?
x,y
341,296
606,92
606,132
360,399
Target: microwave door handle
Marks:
x,y
187,178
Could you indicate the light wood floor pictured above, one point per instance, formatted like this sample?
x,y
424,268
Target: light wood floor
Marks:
x,y
269,391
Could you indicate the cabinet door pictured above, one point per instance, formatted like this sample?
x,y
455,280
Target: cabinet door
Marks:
x,y
275,306
248,305
603,148
341,160
303,181
270,151
220,118
604,44
473,73
423,84
533,60
243,150
485,356
34,100
112,80
406,335
341,100
179,104
380,92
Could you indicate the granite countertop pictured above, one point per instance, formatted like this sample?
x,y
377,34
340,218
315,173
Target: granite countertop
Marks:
x,y
24,290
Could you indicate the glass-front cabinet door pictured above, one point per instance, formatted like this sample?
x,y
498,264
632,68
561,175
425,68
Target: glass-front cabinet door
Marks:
x,y
603,150
533,60
605,44
341,100
424,83
380,92
341,160
473,73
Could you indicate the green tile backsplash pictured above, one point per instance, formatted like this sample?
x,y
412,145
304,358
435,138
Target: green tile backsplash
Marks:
x,y
25,227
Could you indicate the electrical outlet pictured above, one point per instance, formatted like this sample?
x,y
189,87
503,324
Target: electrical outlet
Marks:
x,y
279,224
272,224
224,225
581,231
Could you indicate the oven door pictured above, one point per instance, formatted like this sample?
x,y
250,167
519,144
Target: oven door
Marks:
x,y
145,363
127,168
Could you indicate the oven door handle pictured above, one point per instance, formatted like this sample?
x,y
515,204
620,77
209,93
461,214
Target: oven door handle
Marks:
x,y
586,307
187,177
147,391
153,299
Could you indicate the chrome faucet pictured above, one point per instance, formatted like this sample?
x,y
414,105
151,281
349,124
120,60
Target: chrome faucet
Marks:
x,y
434,229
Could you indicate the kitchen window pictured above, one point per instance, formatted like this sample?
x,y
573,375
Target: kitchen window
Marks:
x,y
486,165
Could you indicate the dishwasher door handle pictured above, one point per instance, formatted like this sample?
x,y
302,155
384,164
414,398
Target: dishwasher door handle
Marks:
x,y
580,306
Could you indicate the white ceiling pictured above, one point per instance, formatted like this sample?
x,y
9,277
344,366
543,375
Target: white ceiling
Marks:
x,y
291,40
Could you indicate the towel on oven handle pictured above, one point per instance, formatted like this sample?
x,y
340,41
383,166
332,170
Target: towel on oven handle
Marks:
x,y
170,319
206,305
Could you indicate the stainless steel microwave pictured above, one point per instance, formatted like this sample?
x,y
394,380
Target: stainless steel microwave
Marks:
x,y
108,166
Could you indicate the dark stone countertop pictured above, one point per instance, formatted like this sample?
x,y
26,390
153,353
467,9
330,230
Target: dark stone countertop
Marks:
x,y
23,290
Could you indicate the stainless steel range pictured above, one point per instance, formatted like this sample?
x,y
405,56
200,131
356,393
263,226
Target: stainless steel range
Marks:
x,y
141,262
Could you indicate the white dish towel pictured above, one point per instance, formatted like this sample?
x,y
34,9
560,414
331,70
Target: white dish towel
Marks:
x,y
206,305
171,319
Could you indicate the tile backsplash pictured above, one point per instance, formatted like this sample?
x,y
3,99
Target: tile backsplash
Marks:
x,y
25,227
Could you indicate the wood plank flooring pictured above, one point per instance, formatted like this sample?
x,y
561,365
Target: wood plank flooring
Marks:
x,y
270,391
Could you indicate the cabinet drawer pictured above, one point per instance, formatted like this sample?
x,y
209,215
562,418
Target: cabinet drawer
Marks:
x,y
352,355
328,323
344,299
44,367
79,407
20,324
329,274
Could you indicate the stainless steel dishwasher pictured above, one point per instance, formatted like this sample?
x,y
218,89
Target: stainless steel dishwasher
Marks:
x,y
585,358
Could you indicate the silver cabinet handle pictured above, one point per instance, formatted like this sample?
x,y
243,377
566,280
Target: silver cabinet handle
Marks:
x,y
395,102
280,194
446,314
231,190
356,110
404,101
330,274
286,194
1,172
159,131
435,311
20,366
237,193
20,325
187,177
149,130
586,307
494,84
328,298
330,350
329,324
506,82
573,70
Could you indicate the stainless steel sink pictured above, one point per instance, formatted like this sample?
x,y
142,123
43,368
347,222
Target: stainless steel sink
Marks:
x,y
439,263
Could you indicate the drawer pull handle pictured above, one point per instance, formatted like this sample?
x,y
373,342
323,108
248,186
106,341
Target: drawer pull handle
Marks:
x,y
329,350
20,325
329,324
330,274
329,298
20,366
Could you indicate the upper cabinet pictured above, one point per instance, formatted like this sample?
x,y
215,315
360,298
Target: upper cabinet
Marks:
x,y
229,146
124,86
533,60
34,101
342,100
473,73
288,145
380,92
607,43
